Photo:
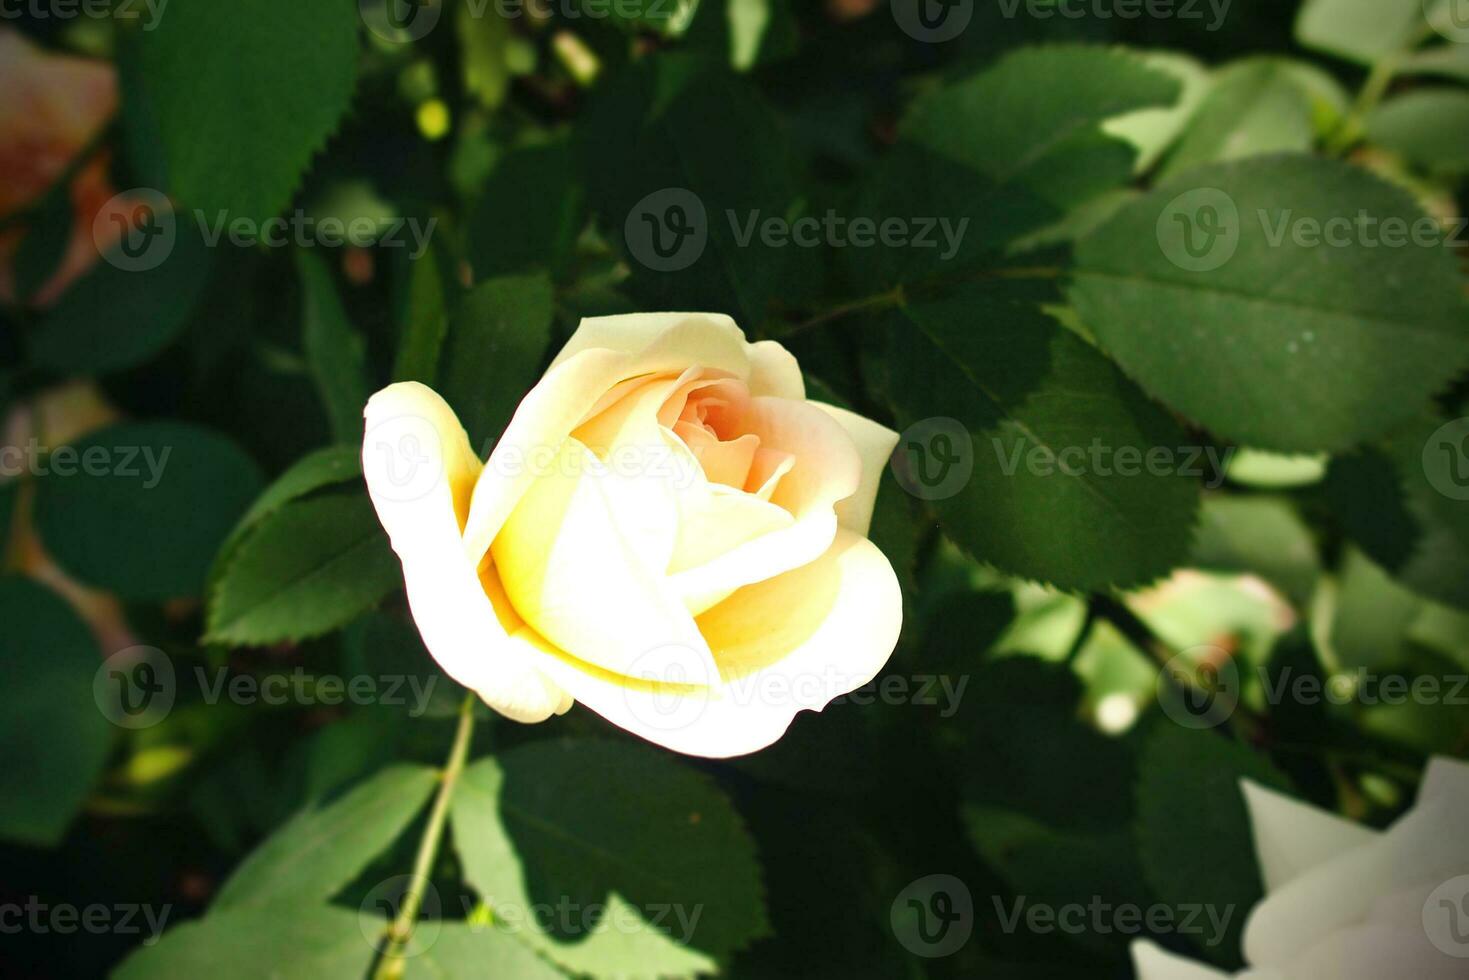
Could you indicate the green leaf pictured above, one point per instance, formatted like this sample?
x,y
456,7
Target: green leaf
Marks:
x,y
530,213
1152,132
285,943
1254,107
310,567
1028,392
1261,535
143,506
322,849
468,952
497,341
424,322
244,94
55,737
114,318
1008,151
1268,336
614,827
1429,126
335,350
46,236
680,138
1190,810
1364,31
1445,61
1373,615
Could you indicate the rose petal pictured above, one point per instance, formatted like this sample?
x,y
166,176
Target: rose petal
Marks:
x,y
1446,779
787,644
875,444
716,340
1372,951
420,472
1292,837
774,371
1151,962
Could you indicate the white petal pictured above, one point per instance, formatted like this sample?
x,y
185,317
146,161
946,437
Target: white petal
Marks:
x,y
717,340
1373,951
875,444
1292,837
1446,779
420,471
774,371
1153,962
789,643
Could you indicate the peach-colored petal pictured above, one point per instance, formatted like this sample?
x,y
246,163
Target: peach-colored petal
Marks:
x,y
875,444
709,339
420,472
774,371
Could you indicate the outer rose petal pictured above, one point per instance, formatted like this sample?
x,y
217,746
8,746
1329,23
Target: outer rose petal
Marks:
x,y
1292,837
1152,962
423,516
789,643
774,371
875,444
721,344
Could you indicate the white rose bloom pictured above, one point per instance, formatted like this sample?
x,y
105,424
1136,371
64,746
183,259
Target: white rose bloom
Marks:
x,y
1344,902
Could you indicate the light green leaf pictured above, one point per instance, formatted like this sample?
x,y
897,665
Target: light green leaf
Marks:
x,y
424,322
1373,616
310,567
615,830
146,521
1189,811
335,351
243,94
1264,334
1153,131
498,335
1364,31
1428,126
1446,61
1261,535
55,736
470,952
284,943
1034,400
1253,107
320,850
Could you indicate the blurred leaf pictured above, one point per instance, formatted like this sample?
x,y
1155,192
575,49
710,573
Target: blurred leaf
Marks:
x,y
145,516
323,848
484,36
614,827
310,567
54,733
498,334
335,350
1258,535
424,322
1005,152
244,94
1253,107
1428,126
530,212
1293,343
1373,615
743,33
1153,131
462,951
1364,31
388,646
1447,61
114,318
289,943
1027,390
46,238
1190,810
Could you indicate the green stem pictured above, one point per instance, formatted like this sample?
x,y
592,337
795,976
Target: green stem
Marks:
x,y
390,967
1379,80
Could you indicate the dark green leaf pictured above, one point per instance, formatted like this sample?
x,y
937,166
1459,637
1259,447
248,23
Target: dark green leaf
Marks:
x,y
334,350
